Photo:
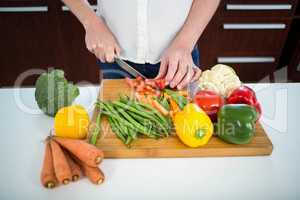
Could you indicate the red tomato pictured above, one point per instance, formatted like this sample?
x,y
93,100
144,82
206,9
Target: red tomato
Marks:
x,y
160,83
210,102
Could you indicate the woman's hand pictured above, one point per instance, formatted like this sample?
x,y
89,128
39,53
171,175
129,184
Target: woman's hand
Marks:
x,y
177,67
100,41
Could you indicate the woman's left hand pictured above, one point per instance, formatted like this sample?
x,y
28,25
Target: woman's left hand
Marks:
x,y
177,67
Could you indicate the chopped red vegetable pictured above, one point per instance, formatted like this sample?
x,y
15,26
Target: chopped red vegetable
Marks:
x,y
160,83
147,86
210,102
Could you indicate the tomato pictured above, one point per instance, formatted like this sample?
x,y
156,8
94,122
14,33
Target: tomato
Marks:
x,y
210,102
160,83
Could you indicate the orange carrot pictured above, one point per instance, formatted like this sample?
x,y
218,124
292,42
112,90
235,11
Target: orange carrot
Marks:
x,y
94,174
87,153
60,163
130,82
159,107
141,98
174,106
75,168
48,178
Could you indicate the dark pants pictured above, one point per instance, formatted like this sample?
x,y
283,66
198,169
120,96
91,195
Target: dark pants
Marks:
x,y
113,71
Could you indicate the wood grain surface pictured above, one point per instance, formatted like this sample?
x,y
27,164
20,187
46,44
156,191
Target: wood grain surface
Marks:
x,y
171,146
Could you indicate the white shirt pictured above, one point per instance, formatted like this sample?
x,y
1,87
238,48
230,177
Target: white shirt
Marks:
x,y
144,28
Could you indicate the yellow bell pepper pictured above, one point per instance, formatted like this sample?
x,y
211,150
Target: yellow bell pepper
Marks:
x,y
193,126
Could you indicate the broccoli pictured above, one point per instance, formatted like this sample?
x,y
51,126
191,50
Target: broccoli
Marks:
x,y
53,92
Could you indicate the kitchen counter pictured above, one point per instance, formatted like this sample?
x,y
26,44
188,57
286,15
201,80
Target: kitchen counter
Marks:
x,y
23,129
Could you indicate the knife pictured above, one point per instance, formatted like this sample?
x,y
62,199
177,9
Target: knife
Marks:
x,y
192,89
129,68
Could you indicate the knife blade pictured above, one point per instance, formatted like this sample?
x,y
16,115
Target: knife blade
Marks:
x,y
192,89
129,68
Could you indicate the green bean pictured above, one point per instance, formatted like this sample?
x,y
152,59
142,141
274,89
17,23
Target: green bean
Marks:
x,y
139,127
97,130
161,117
145,122
129,117
132,109
121,128
144,114
132,133
117,117
128,141
116,130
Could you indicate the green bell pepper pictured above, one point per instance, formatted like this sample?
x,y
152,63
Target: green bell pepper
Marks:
x,y
236,123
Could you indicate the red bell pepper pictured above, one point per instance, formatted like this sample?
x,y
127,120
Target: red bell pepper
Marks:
x,y
210,102
245,95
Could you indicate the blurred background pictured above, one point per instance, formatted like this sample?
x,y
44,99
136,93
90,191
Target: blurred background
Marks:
x,y
260,39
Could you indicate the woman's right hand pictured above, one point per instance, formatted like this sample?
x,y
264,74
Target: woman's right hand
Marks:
x,y
100,41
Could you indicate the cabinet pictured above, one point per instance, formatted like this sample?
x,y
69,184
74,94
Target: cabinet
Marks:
x,y
248,35
80,63
293,51
41,35
26,41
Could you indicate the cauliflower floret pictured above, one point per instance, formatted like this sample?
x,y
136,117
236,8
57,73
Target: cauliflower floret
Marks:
x,y
221,79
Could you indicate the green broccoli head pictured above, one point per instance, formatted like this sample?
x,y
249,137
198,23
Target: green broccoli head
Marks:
x,y
54,92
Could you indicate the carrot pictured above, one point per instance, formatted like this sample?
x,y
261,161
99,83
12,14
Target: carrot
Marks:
x,y
94,174
174,106
75,168
140,87
48,178
139,79
150,82
60,163
159,107
130,82
87,153
141,98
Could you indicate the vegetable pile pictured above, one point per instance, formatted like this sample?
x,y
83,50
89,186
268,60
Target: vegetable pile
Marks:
x,y
66,157
67,160
130,118
156,110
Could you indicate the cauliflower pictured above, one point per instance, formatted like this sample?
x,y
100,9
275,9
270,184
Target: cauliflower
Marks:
x,y
221,79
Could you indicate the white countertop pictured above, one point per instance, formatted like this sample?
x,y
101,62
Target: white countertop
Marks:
x,y
271,177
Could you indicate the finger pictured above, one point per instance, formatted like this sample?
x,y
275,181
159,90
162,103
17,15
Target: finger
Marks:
x,y
172,68
88,44
89,47
93,46
181,72
162,69
187,79
109,54
100,55
197,74
117,51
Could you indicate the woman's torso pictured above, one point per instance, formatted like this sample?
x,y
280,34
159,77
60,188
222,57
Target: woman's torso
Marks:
x,y
144,28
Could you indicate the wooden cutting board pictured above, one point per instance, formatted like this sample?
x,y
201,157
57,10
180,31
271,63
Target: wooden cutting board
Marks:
x,y
171,146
